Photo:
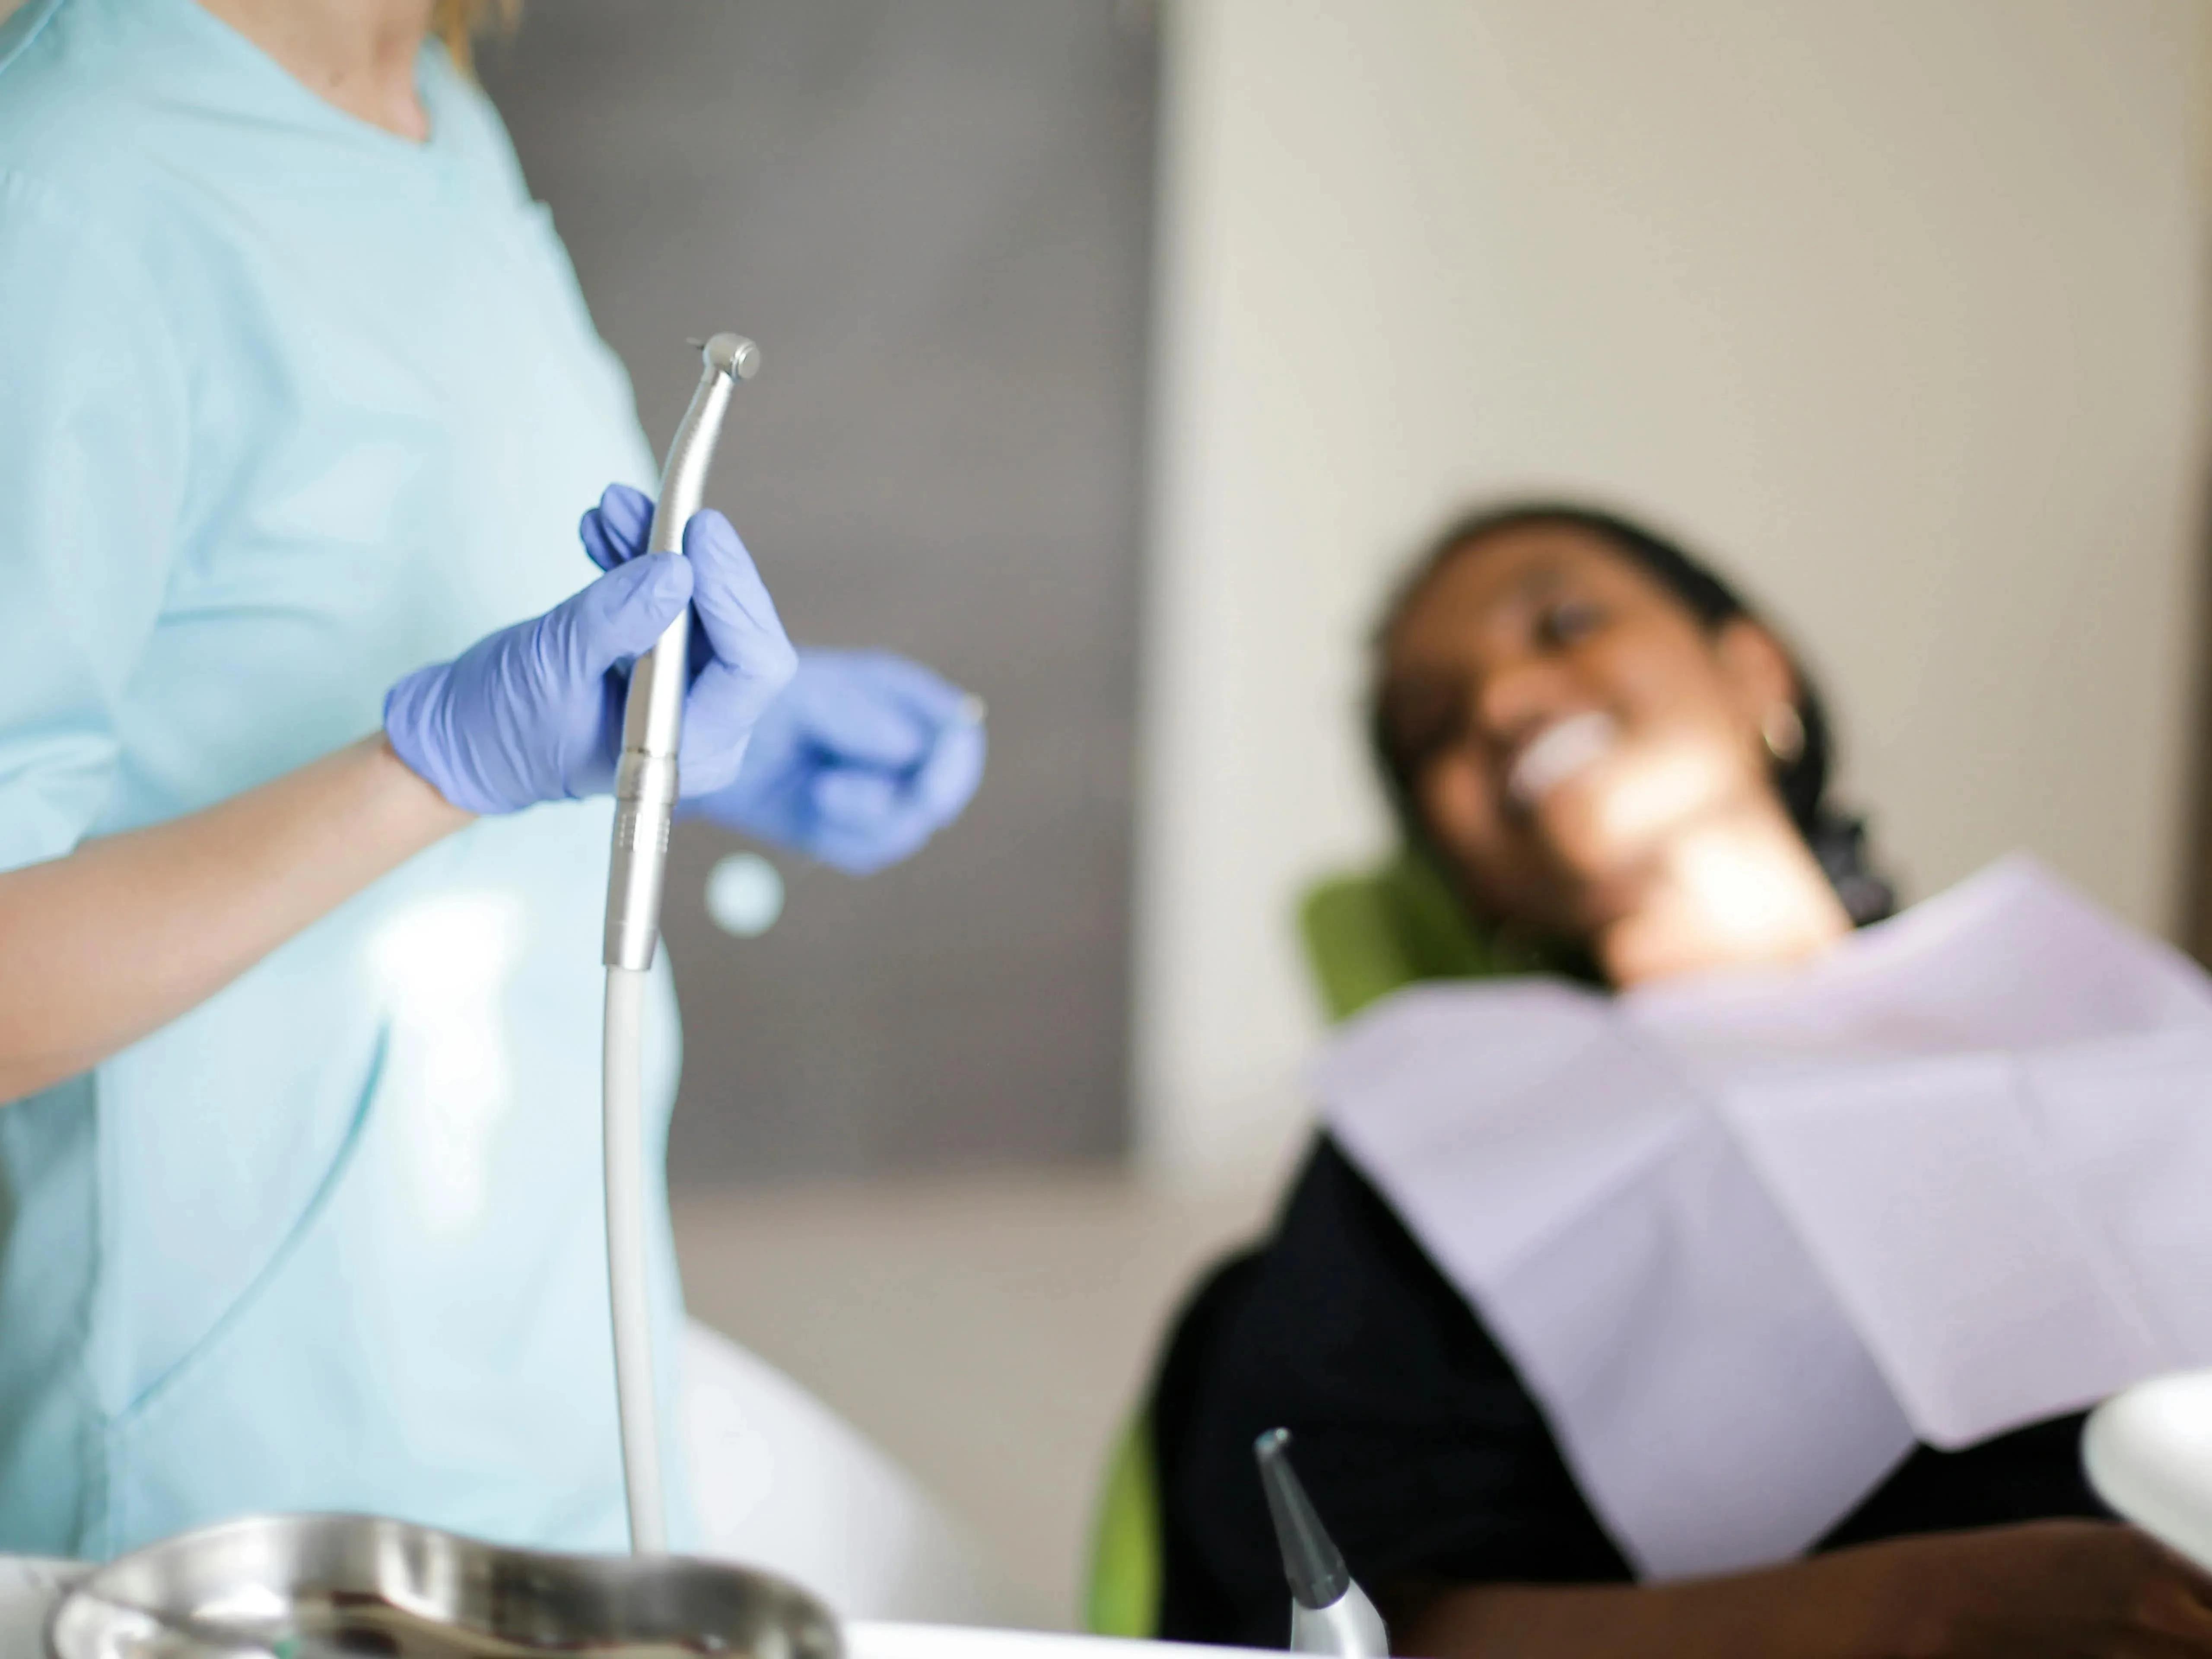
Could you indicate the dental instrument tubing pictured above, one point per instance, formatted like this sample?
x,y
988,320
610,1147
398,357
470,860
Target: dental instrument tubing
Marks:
x,y
646,788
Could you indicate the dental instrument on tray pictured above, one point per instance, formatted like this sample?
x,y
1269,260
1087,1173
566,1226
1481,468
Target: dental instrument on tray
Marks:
x,y
1329,1614
645,788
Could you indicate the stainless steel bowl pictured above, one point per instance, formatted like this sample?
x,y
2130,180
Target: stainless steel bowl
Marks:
x,y
309,1586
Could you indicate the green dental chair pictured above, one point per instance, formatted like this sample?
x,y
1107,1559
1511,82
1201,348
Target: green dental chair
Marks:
x,y
1366,936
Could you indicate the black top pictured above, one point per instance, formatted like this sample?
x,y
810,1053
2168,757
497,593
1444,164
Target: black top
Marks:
x,y
1427,1458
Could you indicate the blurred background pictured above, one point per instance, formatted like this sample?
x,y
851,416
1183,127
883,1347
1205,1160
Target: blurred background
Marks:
x,y
1117,353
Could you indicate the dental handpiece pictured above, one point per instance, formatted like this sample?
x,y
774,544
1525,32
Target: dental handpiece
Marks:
x,y
646,788
1329,1613
652,719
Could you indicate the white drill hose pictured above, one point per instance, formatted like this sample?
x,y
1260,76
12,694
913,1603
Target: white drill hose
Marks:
x,y
636,1396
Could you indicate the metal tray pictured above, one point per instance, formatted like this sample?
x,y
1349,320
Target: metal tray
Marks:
x,y
320,1586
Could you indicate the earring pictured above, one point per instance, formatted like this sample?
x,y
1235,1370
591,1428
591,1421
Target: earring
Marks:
x,y
1784,731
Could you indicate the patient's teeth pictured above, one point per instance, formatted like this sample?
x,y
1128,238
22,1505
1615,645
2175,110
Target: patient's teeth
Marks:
x,y
1557,753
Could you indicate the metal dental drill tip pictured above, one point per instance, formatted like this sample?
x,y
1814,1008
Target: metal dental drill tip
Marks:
x,y
1329,1613
743,356
652,719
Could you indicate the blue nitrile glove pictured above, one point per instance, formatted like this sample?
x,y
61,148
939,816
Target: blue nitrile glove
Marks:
x,y
864,756
535,712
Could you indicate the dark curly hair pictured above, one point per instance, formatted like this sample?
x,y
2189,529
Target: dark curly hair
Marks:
x,y
1837,839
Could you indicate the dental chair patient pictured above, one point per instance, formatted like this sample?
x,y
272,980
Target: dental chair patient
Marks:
x,y
1693,1258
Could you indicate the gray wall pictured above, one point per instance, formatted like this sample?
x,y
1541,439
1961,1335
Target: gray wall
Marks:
x,y
933,215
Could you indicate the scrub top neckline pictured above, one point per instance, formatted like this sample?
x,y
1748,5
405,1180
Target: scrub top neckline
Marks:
x,y
433,70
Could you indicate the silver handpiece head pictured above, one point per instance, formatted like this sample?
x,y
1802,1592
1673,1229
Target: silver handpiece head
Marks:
x,y
646,782
732,354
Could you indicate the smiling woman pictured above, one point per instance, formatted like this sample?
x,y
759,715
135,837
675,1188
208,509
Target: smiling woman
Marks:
x,y
1524,1227
1582,724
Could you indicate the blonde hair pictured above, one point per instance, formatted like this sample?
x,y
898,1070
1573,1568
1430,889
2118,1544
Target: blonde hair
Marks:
x,y
457,23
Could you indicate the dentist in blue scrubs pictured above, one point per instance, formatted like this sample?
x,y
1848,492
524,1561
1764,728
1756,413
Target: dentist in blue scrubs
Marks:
x,y
308,700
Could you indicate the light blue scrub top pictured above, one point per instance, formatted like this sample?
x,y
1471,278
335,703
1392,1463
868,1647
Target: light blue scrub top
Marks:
x,y
287,407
